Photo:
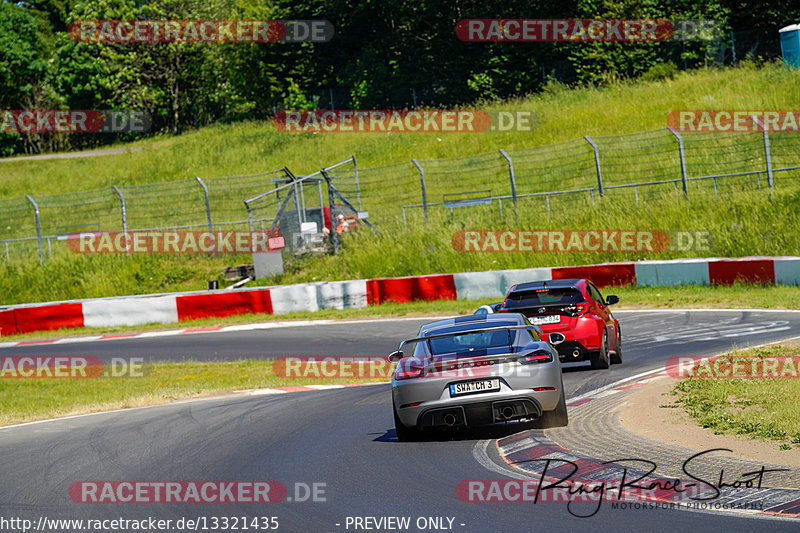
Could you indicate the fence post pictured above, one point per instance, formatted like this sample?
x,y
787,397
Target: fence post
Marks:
x,y
332,202
767,152
208,207
300,216
38,227
422,184
358,186
122,207
683,160
124,215
596,164
249,216
513,183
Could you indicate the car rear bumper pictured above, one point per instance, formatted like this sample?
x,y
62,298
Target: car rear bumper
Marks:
x,y
586,335
480,413
572,351
507,404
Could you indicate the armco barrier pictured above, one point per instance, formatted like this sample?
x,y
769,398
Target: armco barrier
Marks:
x,y
44,317
166,308
226,303
612,274
727,272
787,270
407,289
671,273
130,311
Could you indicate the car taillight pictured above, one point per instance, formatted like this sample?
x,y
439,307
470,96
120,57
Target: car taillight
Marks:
x,y
577,309
409,373
538,356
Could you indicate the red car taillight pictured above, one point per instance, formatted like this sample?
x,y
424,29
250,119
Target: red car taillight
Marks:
x,y
539,356
409,372
577,309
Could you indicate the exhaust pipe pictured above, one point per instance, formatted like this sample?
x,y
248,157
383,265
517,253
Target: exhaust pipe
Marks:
x,y
507,412
450,419
576,353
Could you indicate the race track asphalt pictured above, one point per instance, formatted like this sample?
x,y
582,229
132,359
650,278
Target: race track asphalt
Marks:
x,y
343,438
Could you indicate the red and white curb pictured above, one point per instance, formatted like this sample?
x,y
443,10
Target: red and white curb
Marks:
x,y
311,297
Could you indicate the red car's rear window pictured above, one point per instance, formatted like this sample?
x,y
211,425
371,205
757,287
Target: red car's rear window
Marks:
x,y
531,298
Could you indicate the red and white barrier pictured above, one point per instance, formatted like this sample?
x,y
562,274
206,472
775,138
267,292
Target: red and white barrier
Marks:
x,y
178,307
129,311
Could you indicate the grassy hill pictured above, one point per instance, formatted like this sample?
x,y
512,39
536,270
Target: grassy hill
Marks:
x,y
744,222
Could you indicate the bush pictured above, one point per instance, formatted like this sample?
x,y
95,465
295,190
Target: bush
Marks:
x,y
662,71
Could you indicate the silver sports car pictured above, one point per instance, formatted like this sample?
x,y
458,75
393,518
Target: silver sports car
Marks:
x,y
477,370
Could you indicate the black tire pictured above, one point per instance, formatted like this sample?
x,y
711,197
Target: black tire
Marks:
x,y
616,357
600,358
404,434
556,418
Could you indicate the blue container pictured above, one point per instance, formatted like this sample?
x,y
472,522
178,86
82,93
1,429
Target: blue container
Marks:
x,y
790,45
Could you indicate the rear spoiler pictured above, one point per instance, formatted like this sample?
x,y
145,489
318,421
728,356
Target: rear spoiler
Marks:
x,y
467,332
552,338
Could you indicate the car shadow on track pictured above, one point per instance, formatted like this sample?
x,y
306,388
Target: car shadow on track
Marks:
x,y
576,367
462,434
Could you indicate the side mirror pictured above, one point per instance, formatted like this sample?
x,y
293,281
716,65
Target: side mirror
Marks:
x,y
488,309
396,356
611,300
556,338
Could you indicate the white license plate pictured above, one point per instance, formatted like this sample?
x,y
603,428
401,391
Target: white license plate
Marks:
x,y
546,319
486,385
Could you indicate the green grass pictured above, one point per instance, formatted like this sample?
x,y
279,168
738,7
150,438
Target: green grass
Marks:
x,y
28,399
743,224
745,221
690,296
759,408
248,147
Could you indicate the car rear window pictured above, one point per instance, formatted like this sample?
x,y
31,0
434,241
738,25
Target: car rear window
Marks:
x,y
534,297
482,340
471,341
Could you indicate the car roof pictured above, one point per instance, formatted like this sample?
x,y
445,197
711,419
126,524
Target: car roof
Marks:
x,y
550,283
486,320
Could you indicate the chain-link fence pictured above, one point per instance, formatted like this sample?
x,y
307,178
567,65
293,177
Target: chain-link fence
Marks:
x,y
32,227
661,164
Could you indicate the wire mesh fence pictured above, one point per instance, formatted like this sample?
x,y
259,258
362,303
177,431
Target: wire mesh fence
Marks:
x,y
649,166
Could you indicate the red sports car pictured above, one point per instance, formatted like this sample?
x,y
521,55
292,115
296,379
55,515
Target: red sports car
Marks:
x,y
576,309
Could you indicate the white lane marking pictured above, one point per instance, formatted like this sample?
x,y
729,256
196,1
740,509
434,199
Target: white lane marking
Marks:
x,y
647,373
482,457
223,396
68,340
704,310
123,410
224,329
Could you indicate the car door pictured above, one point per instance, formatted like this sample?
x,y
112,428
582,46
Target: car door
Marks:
x,y
604,312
